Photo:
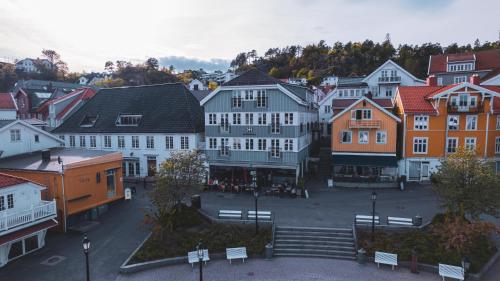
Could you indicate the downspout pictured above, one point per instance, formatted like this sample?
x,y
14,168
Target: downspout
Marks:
x,y
486,137
64,197
403,147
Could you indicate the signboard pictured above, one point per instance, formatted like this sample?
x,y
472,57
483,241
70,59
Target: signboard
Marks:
x,y
128,194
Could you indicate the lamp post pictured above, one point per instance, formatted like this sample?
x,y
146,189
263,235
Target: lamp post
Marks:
x,y
256,196
465,266
374,199
86,249
199,250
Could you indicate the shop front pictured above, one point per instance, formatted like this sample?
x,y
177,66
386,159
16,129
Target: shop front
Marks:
x,y
365,170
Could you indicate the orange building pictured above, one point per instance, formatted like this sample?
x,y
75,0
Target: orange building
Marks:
x,y
436,120
364,137
81,181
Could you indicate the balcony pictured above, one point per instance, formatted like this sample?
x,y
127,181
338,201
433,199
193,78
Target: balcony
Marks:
x,y
465,108
364,124
36,214
389,79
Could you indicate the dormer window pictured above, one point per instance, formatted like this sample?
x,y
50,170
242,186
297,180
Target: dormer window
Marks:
x,y
128,120
88,121
460,67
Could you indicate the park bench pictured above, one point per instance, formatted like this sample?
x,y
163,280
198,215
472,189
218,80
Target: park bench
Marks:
x,y
193,257
451,271
230,214
386,258
236,253
261,215
399,221
362,219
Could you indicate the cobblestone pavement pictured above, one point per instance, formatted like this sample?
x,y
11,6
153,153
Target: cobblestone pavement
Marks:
x,y
281,269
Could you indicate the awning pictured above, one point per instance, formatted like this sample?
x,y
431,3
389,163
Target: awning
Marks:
x,y
27,231
360,160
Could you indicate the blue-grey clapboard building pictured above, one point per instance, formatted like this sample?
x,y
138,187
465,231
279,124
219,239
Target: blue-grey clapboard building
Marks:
x,y
256,122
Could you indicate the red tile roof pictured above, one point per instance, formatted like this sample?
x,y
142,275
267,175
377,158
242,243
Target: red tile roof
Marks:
x,y
496,100
485,60
460,57
7,102
27,231
414,98
385,103
86,95
440,90
8,180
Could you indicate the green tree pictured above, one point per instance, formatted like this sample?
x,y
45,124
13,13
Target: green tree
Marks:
x,y
8,76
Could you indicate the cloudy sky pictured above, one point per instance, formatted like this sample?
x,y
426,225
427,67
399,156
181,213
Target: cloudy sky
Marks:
x,y
210,33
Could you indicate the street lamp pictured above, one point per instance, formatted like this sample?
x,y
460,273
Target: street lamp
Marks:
x,y
199,250
86,249
465,265
374,199
256,196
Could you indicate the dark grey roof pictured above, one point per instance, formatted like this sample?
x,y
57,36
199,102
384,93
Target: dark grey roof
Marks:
x,y
200,94
299,91
351,82
4,123
165,108
252,76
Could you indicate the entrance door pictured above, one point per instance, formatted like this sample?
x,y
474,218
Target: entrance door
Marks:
x,y
425,171
151,166
414,172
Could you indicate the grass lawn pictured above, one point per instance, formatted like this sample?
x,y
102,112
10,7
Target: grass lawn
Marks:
x,y
191,227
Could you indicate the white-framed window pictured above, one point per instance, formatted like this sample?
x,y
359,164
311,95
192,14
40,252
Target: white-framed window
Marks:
x,y
261,98
248,118
150,142
236,144
169,142
236,99
121,141
451,145
421,122
82,141
236,118
135,141
327,108
107,141
262,144
275,123
288,145
288,118
212,143
249,95
440,81
363,137
93,142
72,141
498,122
381,137
2,202
249,144
471,123
10,201
361,114
262,119
184,142
473,101
460,67
459,79
275,148
346,137
61,137
470,144
453,122
127,120
15,135
420,145
212,119
497,145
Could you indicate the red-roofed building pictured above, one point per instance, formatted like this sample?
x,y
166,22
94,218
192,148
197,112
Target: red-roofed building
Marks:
x,y
8,107
436,120
24,217
458,68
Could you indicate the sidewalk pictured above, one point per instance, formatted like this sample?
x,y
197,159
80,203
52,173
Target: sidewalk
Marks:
x,y
290,269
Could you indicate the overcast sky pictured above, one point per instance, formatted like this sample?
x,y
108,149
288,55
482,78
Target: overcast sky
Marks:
x,y
87,33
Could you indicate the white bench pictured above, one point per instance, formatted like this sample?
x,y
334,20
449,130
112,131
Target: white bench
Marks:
x,y
399,221
193,257
236,253
362,219
261,215
386,258
451,271
230,214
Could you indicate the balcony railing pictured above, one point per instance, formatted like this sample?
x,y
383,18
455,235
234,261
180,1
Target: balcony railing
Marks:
x,y
389,79
364,124
466,109
42,212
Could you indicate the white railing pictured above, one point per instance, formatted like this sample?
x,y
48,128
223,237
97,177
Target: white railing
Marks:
x,y
46,209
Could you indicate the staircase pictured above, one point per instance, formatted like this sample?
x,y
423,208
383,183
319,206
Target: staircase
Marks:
x,y
335,243
325,163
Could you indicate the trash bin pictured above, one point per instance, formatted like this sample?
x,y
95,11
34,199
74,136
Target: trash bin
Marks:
x,y
269,251
417,220
361,257
196,201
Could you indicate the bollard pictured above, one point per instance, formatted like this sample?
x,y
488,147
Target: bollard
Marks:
x,y
361,256
269,251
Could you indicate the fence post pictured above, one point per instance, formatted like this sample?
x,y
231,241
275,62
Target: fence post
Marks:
x,y
32,212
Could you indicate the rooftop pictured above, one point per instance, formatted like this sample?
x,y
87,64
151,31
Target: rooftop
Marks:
x,y
485,60
8,180
7,102
252,76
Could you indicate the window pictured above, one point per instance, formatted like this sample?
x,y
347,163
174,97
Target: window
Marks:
x,y
82,141
224,148
288,118
328,108
460,67
135,141
249,118
128,120
497,145
249,95
420,145
440,81
453,122
275,148
471,123
72,142
262,119
288,146
61,137
169,142
470,144
37,138
249,144
381,137
262,144
236,144
236,118
261,98
93,142
107,141
150,142
10,201
184,142
388,92
498,122
110,182
212,119
473,101
459,79
363,137
121,142
88,121
212,143
361,114
15,135
236,100
421,122
275,123
451,145
346,137
2,203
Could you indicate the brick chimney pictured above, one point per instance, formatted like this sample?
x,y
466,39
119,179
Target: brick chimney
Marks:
x,y
474,79
432,80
